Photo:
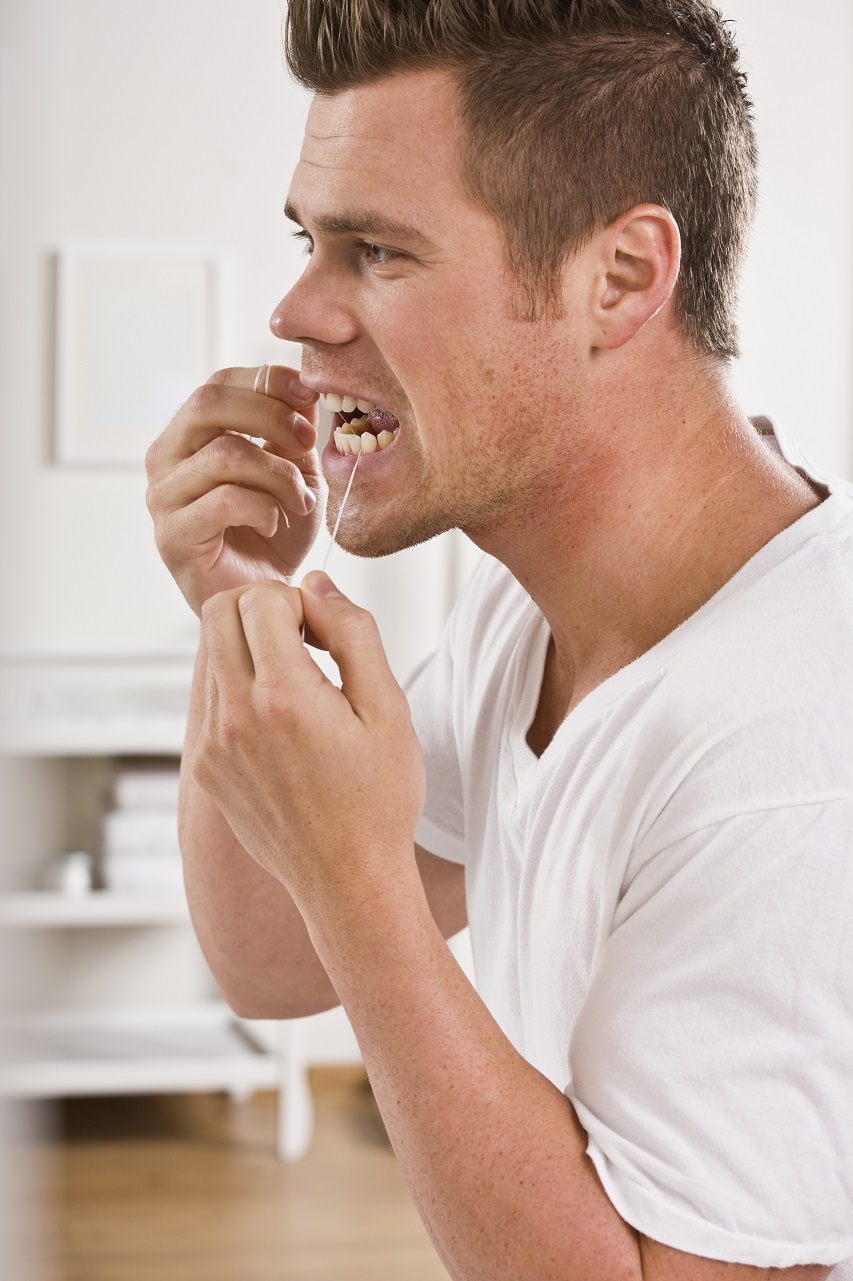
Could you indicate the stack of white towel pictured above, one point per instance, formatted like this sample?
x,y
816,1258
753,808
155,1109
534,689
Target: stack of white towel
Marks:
x,y
140,834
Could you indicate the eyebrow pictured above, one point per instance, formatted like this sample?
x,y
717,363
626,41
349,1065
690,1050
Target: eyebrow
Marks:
x,y
361,222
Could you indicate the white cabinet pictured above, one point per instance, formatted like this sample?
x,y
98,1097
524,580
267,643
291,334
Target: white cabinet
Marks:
x,y
112,994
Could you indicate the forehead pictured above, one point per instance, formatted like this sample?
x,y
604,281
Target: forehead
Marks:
x,y
394,142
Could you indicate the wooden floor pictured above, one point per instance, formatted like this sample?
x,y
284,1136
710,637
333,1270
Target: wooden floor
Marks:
x,y
189,1189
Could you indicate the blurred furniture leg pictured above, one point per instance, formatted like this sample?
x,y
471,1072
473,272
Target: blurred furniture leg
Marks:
x,y
295,1105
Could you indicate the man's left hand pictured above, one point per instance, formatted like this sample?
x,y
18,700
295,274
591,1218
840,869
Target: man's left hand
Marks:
x,y
323,786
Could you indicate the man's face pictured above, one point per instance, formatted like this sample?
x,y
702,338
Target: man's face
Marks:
x,y
406,304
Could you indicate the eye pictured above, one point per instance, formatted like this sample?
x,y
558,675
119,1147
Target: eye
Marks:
x,y
378,255
307,242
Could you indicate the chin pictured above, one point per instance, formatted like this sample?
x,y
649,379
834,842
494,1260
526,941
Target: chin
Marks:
x,y
371,543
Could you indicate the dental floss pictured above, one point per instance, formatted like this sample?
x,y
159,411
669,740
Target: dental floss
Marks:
x,y
340,514
337,526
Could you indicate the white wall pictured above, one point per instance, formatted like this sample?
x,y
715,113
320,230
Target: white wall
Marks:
x,y
175,120
797,296
169,121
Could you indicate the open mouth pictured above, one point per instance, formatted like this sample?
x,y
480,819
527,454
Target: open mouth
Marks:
x,y
358,426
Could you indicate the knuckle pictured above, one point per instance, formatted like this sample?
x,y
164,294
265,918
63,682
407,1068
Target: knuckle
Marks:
x,y
167,540
230,728
155,498
289,472
200,769
251,598
278,416
203,400
211,610
224,450
152,455
356,626
215,604
360,621
152,497
205,766
270,700
261,595
258,599
228,501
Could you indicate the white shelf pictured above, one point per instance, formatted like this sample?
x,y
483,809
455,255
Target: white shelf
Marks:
x,y
99,736
94,706
66,1053
44,909
102,705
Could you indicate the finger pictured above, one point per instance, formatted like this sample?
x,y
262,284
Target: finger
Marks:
x,y
283,384
226,507
231,460
278,381
213,409
272,617
222,406
228,654
352,638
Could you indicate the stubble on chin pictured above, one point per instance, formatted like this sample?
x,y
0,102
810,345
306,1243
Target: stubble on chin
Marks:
x,y
372,535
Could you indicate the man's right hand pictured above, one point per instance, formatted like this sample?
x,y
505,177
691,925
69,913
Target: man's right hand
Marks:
x,y
219,501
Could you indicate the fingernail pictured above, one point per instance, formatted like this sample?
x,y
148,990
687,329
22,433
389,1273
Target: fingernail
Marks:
x,y
303,431
320,584
309,500
299,391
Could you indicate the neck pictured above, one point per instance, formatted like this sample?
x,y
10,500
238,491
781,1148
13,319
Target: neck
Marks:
x,y
640,519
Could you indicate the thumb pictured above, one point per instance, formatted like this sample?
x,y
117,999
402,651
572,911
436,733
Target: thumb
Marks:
x,y
352,638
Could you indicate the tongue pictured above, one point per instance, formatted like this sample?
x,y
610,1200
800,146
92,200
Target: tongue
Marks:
x,y
382,420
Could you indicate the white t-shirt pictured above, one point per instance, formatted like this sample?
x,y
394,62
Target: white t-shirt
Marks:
x,y
661,906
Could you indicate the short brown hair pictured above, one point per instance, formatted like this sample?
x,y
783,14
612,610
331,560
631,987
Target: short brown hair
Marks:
x,y
573,111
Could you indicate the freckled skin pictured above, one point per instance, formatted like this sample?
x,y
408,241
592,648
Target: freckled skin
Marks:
x,y
554,444
610,469
433,337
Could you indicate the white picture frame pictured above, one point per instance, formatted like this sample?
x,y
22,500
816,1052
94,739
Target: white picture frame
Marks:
x,y
136,332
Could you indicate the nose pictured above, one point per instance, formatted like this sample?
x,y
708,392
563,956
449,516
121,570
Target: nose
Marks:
x,y
314,311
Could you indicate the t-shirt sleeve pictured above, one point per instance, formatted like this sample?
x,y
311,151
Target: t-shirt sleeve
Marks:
x,y
712,1061
430,691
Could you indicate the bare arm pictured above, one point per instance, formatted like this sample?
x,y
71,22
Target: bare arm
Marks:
x,y
493,1152
228,512
251,932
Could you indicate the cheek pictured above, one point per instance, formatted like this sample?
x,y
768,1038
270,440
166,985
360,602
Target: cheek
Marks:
x,y
453,358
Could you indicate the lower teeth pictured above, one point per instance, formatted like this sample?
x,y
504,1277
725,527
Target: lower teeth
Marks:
x,y
349,442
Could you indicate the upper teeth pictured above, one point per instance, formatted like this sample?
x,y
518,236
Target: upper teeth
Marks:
x,y
344,404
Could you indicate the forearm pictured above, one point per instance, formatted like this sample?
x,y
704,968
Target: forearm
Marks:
x,y
492,1151
251,932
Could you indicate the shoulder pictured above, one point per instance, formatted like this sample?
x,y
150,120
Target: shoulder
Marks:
x,y
756,710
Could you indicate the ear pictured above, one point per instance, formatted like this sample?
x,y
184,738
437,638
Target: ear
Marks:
x,y
640,254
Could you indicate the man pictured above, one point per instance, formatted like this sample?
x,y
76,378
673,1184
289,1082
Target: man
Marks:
x,y
525,222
